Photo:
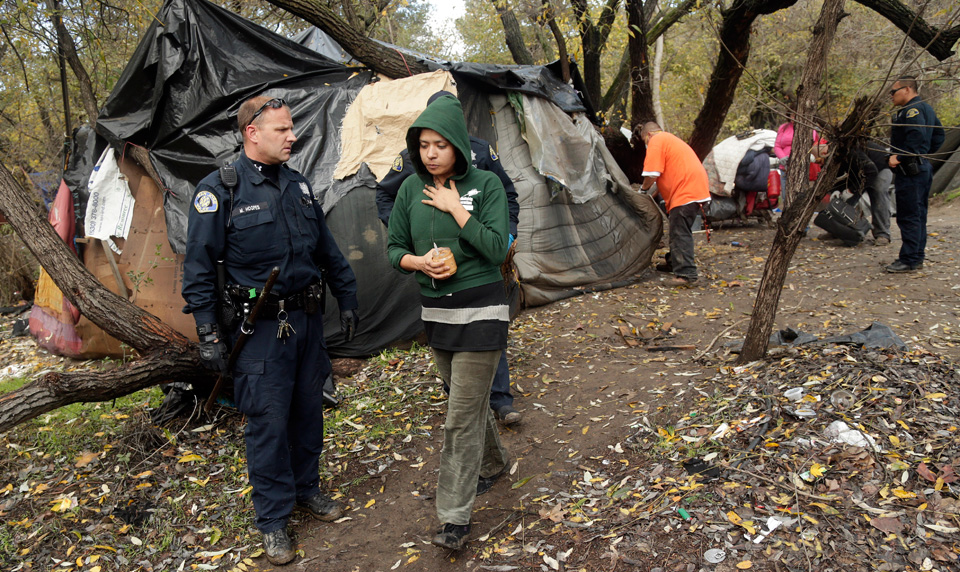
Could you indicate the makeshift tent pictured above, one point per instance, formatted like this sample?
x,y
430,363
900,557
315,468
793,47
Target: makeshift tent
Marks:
x,y
174,110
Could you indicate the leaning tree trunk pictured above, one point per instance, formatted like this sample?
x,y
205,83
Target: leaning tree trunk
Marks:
x,y
376,56
511,29
731,61
790,227
165,353
735,49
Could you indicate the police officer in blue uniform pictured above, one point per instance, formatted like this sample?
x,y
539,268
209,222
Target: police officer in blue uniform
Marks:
x,y
266,217
916,132
484,158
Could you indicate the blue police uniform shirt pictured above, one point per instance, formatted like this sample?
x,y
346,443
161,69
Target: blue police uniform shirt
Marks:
x,y
265,226
484,158
916,129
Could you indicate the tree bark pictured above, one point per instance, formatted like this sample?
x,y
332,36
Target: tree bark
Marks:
x,y
511,29
731,61
165,353
558,37
69,48
938,43
641,94
790,227
377,57
593,39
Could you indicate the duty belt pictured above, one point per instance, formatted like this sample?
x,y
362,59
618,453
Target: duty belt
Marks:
x,y
271,307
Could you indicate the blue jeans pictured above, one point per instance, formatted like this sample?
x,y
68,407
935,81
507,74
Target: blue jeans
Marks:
x,y
500,392
913,194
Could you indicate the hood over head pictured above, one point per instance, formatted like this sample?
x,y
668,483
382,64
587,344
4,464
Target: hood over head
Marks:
x,y
445,116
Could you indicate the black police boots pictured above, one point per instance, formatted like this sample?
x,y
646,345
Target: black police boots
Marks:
x,y
321,507
278,547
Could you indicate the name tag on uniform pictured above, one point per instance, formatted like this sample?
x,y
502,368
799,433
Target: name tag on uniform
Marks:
x,y
249,209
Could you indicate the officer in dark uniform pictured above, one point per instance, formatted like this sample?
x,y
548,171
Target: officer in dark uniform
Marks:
x,y
916,132
268,217
484,158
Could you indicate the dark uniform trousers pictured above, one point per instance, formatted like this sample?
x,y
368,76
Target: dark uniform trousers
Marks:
x,y
913,196
279,387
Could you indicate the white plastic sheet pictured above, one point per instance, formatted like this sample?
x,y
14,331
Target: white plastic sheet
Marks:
x,y
110,207
569,151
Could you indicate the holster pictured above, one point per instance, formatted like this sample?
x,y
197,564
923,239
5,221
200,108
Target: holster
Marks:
x,y
908,166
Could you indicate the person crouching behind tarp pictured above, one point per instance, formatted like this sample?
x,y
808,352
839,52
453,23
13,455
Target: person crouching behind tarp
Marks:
x,y
260,216
452,208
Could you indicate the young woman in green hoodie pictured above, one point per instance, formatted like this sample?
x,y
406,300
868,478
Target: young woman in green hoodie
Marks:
x,y
451,204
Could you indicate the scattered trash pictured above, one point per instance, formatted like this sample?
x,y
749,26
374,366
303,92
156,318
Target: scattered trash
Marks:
x,y
772,524
714,556
699,467
842,399
794,393
840,432
735,244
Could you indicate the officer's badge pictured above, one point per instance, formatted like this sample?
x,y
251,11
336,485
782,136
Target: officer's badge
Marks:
x,y
304,188
205,202
912,112
493,154
398,164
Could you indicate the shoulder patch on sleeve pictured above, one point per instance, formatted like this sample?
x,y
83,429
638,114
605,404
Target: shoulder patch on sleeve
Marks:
x,y
205,202
912,112
493,154
398,163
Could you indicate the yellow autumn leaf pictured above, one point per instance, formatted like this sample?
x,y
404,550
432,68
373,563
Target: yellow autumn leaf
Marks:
x,y
734,518
189,458
894,440
935,396
95,569
938,486
745,565
85,459
370,503
62,504
900,493
748,525
245,492
689,313
817,470
585,429
413,558
143,475
40,488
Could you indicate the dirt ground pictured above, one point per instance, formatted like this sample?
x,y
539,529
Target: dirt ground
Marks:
x,y
577,364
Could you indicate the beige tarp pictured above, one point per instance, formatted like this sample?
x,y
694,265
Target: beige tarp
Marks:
x,y
375,126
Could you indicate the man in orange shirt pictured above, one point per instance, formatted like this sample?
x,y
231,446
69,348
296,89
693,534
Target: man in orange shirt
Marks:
x,y
682,182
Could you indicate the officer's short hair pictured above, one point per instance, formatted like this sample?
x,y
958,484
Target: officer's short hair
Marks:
x,y
248,108
909,81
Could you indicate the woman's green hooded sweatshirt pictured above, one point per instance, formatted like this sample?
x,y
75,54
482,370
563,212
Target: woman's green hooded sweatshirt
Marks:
x,y
481,245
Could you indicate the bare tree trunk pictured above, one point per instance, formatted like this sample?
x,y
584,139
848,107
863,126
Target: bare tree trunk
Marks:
x,y
377,57
731,61
558,37
641,94
69,48
593,38
735,48
795,218
165,353
938,43
511,29
655,83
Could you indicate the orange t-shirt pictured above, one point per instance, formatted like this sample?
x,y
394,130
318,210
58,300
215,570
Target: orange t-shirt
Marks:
x,y
682,177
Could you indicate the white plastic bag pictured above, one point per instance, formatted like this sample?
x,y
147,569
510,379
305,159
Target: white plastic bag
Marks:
x,y
110,206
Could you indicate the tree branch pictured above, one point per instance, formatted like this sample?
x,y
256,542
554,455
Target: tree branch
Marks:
x,y
938,43
374,55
